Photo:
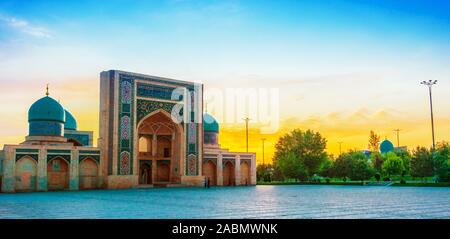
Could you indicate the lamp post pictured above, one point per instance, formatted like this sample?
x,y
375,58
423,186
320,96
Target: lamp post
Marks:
x,y
340,148
263,140
246,130
430,83
398,138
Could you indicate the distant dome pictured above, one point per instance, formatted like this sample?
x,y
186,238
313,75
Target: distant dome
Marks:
x,y
46,117
46,109
210,124
386,146
71,123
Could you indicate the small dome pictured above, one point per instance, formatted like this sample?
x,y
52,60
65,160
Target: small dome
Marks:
x,y
71,123
210,124
386,146
46,109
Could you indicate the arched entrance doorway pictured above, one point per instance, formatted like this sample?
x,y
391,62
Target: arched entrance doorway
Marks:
x,y
228,174
25,173
145,172
209,171
88,172
163,172
57,174
159,144
245,174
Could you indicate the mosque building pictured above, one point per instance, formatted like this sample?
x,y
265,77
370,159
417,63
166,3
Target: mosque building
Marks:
x,y
141,142
386,146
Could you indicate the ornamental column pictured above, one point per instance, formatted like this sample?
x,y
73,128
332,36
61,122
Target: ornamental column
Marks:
x,y
253,170
74,179
9,179
42,180
154,171
237,170
149,143
219,170
154,145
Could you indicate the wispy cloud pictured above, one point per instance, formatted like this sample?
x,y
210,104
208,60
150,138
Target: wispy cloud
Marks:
x,y
25,27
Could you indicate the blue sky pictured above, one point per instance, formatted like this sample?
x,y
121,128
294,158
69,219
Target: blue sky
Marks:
x,y
329,58
256,32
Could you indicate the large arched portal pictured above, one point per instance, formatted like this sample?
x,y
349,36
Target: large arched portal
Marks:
x,y
209,171
58,174
159,144
228,174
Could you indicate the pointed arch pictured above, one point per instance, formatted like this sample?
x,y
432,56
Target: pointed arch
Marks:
x,y
88,173
228,174
26,174
245,173
58,172
164,153
210,172
165,113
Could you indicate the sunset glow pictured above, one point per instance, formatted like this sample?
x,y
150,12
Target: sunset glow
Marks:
x,y
336,74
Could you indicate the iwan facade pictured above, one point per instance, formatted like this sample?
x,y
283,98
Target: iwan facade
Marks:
x,y
152,133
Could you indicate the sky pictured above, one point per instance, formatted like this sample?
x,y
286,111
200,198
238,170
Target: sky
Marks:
x,y
342,68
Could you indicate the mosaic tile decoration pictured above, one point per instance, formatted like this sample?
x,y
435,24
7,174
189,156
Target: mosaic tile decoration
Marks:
x,y
125,163
126,99
33,156
145,107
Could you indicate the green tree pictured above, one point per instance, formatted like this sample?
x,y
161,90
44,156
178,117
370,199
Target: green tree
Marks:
x,y
393,165
377,161
292,167
360,168
264,173
327,169
343,166
277,175
374,142
308,147
405,156
441,161
421,163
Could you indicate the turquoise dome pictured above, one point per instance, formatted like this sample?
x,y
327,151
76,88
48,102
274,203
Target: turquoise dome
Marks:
x,y
46,109
210,124
71,123
386,146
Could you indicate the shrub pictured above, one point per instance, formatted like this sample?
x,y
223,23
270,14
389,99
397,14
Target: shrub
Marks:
x,y
403,173
393,165
360,168
291,167
377,177
422,163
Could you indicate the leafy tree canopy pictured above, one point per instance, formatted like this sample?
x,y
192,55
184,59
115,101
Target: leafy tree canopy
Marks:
x,y
308,147
374,142
292,167
393,165
421,163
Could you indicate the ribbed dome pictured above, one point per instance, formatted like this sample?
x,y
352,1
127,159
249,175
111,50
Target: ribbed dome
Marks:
x,y
210,124
386,146
71,123
46,109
